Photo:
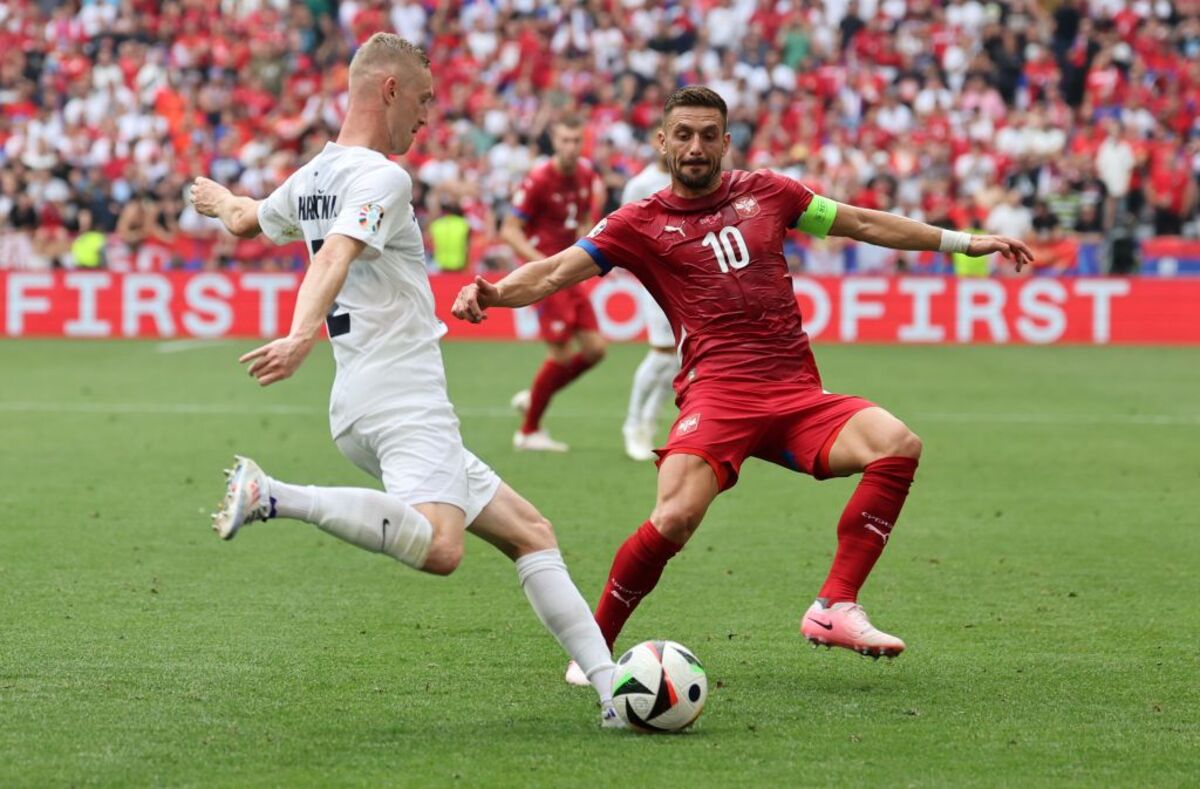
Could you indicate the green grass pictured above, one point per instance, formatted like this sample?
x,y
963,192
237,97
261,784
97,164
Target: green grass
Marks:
x,y
1044,574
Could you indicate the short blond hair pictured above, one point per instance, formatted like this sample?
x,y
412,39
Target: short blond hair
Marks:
x,y
383,51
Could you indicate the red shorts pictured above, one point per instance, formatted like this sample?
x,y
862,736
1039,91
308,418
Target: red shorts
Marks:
x,y
566,313
790,426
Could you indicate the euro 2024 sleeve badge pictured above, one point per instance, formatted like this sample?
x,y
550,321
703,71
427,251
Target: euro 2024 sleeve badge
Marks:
x,y
369,217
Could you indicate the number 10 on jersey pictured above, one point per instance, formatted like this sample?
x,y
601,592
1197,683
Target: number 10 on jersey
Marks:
x,y
729,247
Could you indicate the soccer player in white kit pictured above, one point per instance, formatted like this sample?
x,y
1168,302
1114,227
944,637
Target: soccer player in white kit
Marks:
x,y
389,412
653,378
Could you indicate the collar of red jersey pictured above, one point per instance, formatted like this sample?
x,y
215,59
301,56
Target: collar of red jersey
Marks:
x,y
672,200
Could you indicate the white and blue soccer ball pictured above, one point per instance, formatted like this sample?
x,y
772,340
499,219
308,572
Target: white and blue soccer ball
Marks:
x,y
659,686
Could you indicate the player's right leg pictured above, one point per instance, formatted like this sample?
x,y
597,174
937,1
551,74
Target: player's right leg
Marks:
x,y
517,529
426,537
687,486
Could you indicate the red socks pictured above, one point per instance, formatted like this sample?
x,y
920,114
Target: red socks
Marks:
x,y
552,377
635,570
865,525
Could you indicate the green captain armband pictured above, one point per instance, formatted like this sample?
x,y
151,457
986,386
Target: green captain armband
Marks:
x,y
818,217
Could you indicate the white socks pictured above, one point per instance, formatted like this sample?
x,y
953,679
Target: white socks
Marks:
x,y
651,384
377,522
557,602
370,519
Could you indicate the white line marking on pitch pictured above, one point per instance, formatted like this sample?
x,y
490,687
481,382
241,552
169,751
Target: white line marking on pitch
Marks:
x,y
175,346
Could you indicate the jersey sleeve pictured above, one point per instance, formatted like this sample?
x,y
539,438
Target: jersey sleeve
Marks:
x,y
613,242
376,208
524,202
276,216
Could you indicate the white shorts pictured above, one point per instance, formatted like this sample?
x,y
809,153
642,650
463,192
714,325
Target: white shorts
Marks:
x,y
420,464
657,326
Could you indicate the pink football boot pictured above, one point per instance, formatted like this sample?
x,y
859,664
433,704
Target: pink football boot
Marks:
x,y
846,625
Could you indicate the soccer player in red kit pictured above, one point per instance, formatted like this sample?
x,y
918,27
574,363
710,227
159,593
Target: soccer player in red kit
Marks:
x,y
710,250
558,199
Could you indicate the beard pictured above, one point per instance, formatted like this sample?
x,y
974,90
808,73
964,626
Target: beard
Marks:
x,y
697,181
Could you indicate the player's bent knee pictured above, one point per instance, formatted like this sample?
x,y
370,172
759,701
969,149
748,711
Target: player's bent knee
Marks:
x,y
444,556
907,445
677,524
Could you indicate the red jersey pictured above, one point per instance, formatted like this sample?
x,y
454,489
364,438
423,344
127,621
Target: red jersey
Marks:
x,y
554,205
715,265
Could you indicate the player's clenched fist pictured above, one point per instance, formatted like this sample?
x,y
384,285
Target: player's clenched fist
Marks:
x,y
206,195
474,299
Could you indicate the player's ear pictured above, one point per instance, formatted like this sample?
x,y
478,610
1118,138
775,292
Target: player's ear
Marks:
x,y
389,88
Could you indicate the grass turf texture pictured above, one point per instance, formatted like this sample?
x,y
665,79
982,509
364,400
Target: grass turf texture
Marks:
x,y
1043,574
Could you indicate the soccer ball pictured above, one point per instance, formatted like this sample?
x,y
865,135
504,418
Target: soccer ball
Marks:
x,y
659,686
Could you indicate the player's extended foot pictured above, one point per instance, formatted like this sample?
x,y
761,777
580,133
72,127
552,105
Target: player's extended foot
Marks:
x,y
846,625
609,719
247,498
537,441
575,676
520,401
637,445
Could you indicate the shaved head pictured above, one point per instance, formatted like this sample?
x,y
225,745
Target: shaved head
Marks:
x,y
383,55
391,91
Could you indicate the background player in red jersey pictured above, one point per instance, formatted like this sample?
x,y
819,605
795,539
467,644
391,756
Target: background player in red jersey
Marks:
x,y
556,201
709,250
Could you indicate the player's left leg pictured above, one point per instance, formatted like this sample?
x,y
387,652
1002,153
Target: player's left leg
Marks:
x,y
887,453
523,534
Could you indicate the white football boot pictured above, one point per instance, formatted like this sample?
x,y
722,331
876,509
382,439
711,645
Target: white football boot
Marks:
x,y
247,498
537,441
609,719
637,446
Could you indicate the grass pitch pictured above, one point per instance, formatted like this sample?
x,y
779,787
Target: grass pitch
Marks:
x,y
1043,573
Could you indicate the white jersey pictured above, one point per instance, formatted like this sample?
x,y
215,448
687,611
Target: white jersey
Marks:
x,y
383,328
649,181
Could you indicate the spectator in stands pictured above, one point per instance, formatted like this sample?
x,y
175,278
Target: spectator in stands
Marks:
x,y
103,100
1115,161
1010,217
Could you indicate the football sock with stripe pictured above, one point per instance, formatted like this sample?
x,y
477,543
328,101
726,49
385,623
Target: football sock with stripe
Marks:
x,y
865,525
373,520
557,602
635,571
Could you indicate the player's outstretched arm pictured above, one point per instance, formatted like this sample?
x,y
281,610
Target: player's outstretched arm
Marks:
x,y
528,284
326,274
238,214
898,232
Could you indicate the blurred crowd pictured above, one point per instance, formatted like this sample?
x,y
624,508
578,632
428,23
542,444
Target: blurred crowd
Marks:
x,y
1056,122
